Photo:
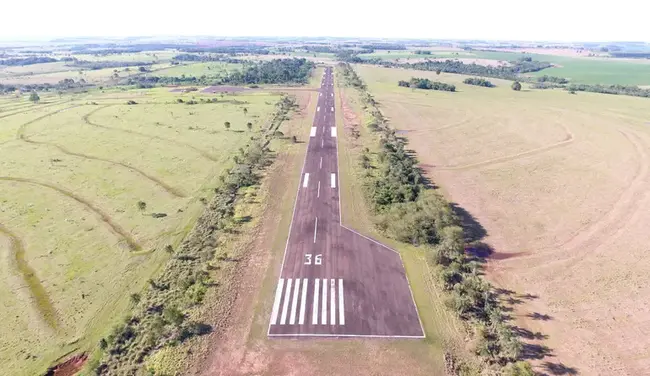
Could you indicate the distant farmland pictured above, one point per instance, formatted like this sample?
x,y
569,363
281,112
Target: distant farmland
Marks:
x,y
92,191
558,185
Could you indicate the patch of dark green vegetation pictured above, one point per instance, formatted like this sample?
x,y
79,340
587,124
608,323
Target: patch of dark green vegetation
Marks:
x,y
95,65
277,71
408,209
634,91
159,317
426,84
27,60
477,81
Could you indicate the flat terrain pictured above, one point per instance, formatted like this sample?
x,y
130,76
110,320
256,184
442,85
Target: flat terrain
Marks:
x,y
344,284
557,184
74,242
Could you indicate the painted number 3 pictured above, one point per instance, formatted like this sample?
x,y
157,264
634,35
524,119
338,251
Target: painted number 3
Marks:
x,y
318,260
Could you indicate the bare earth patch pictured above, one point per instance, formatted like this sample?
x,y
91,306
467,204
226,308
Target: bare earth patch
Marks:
x,y
559,186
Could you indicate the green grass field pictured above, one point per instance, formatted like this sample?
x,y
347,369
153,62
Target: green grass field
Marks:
x,y
199,69
584,69
73,240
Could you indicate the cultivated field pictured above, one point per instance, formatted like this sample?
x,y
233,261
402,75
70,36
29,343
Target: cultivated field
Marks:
x,y
81,178
558,185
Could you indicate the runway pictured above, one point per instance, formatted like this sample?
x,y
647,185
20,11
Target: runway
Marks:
x,y
334,281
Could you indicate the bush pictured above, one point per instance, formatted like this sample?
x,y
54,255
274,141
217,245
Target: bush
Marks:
x,y
516,86
426,84
131,102
476,81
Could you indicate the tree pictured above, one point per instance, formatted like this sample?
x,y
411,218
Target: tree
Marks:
x,y
249,125
516,86
142,205
135,298
438,71
294,139
34,97
245,110
142,69
227,125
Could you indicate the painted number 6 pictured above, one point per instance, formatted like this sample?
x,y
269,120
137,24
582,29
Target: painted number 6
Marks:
x,y
318,260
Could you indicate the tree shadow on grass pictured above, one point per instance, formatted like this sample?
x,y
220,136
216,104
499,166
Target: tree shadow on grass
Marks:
x,y
472,229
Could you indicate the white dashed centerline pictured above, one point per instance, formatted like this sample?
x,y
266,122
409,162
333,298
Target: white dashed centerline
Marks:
x,y
321,163
318,194
315,229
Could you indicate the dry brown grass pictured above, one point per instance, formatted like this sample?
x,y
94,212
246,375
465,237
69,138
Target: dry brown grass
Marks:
x,y
560,184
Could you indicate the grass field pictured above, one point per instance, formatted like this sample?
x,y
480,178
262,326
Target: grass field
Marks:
x,y
199,69
558,185
584,69
73,240
92,76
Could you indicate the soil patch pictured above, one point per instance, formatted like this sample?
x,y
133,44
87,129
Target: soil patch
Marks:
x,y
68,368
224,89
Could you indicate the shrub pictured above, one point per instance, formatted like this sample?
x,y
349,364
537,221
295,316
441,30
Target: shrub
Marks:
x,y
142,205
516,86
131,102
477,81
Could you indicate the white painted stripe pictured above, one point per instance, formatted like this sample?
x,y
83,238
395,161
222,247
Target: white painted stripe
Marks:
x,y
341,304
312,133
276,302
321,94
332,302
333,131
333,180
305,181
323,313
303,301
294,303
332,94
314,307
332,109
318,194
315,229
321,143
321,163
318,109
285,305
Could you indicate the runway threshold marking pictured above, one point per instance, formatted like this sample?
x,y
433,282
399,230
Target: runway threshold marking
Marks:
x,y
276,302
314,306
341,304
323,314
333,180
312,133
285,305
305,181
303,301
318,109
332,109
333,132
332,302
294,303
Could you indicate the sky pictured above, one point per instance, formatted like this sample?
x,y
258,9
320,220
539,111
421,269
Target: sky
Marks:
x,y
549,20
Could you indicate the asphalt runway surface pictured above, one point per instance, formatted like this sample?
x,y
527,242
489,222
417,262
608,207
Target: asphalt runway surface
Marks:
x,y
334,281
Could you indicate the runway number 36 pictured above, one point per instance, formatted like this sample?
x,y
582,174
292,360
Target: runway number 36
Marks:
x,y
318,260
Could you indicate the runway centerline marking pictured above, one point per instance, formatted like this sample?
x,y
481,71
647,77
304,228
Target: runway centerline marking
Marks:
x,y
315,229
305,182
320,165
318,194
321,143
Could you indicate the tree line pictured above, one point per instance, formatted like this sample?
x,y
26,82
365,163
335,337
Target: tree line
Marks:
x,y
426,84
160,315
477,81
27,61
409,210
95,65
277,71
